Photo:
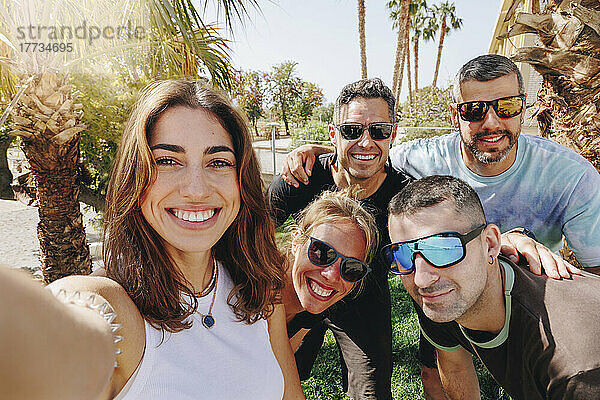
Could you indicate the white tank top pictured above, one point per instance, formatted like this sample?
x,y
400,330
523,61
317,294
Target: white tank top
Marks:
x,y
232,360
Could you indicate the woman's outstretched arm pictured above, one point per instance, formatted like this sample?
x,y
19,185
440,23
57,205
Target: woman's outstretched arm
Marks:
x,y
50,350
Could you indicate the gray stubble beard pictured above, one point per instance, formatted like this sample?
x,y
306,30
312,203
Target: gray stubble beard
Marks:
x,y
493,157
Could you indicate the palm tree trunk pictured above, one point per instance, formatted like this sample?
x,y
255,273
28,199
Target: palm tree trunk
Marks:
x,y
416,51
255,127
5,174
439,55
284,116
399,63
49,123
363,41
408,72
404,56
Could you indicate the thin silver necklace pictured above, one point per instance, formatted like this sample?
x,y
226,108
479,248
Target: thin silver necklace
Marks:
x,y
211,284
207,319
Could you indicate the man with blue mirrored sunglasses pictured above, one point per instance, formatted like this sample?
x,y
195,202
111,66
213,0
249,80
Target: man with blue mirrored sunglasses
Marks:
x,y
471,301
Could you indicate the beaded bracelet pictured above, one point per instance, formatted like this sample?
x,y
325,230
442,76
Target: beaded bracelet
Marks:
x,y
96,303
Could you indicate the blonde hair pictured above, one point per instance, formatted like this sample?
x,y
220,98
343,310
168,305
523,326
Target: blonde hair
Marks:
x,y
337,206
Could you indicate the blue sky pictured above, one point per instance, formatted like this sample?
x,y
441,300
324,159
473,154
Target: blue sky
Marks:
x,y
322,37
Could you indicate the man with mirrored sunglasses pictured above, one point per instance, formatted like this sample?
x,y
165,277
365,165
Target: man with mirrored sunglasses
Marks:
x,y
537,336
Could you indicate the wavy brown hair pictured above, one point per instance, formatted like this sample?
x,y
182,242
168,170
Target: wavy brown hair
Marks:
x,y
134,253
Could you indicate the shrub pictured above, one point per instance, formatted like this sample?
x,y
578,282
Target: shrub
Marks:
x,y
430,108
313,132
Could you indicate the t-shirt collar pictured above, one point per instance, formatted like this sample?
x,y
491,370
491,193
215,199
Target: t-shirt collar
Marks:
x,y
509,280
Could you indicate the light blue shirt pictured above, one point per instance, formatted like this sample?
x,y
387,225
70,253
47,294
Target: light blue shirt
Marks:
x,y
550,189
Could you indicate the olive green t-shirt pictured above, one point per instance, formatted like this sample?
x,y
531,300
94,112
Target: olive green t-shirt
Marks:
x,y
549,347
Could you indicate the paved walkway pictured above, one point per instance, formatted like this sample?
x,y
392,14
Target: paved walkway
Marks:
x,y
263,149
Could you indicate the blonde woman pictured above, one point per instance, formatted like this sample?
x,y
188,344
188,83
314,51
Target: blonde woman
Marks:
x,y
331,246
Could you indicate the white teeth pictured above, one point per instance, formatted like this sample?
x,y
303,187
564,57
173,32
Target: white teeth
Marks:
x,y
364,157
318,289
493,140
198,216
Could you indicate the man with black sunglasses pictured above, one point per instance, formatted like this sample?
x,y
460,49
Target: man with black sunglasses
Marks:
x,y
361,132
536,336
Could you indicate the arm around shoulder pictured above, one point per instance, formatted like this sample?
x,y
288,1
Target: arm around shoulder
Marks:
x,y
581,225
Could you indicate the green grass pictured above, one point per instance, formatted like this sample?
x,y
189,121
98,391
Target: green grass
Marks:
x,y
326,384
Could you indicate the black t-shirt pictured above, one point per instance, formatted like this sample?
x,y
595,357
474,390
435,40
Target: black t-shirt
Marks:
x,y
302,320
286,200
552,346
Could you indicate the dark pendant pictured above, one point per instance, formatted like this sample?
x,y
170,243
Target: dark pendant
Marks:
x,y
208,321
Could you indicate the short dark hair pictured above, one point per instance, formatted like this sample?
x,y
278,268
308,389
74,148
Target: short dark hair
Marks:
x,y
485,68
372,88
434,190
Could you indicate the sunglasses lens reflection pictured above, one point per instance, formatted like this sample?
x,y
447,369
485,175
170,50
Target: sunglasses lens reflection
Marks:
x,y
351,131
353,270
474,111
377,130
508,108
380,131
439,251
399,258
321,254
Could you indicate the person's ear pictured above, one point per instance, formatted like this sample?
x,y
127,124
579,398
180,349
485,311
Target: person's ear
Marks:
x,y
394,133
332,136
493,240
454,117
296,241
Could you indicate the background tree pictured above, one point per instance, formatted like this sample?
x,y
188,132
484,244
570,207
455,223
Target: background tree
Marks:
x,y
310,97
5,174
324,114
47,115
107,101
424,24
283,88
568,58
429,109
445,12
249,92
363,40
407,58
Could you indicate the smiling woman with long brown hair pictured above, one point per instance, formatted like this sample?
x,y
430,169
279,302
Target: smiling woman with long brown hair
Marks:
x,y
193,274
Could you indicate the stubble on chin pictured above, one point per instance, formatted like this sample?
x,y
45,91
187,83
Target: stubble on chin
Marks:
x,y
493,156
